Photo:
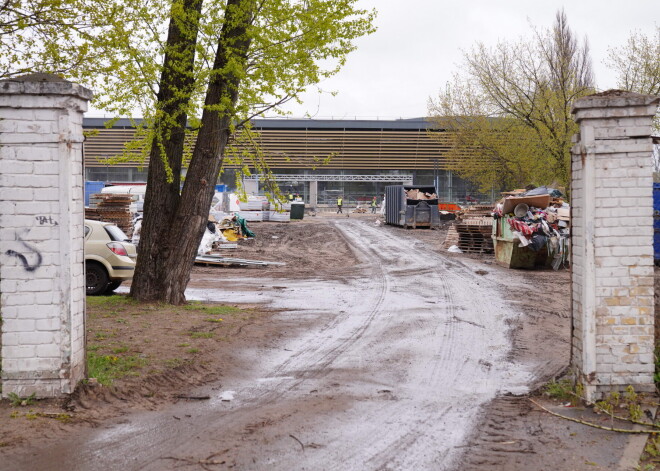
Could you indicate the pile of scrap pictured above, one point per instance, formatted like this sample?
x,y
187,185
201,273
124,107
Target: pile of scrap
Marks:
x,y
258,208
232,262
419,195
222,236
113,208
534,220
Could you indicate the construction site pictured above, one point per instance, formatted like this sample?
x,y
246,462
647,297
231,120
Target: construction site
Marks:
x,y
380,324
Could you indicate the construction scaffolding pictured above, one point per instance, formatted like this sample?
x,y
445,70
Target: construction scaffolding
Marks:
x,y
405,179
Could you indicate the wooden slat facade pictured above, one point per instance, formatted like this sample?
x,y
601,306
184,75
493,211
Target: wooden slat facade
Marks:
x,y
364,149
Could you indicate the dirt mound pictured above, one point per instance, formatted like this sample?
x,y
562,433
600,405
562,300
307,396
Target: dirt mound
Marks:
x,y
312,248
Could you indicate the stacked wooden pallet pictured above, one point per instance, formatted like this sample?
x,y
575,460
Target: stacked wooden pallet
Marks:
x,y
477,211
112,208
474,235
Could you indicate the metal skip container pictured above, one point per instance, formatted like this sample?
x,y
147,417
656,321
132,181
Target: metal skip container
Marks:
x,y
402,211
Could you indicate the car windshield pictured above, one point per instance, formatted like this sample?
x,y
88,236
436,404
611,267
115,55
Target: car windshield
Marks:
x,y
115,233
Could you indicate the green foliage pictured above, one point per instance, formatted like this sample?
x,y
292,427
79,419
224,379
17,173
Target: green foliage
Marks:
x,y
652,447
201,335
510,110
117,48
637,63
106,368
16,400
561,390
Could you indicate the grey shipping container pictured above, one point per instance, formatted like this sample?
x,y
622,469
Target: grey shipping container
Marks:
x,y
400,211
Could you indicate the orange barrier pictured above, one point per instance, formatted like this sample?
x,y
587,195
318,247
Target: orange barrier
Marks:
x,y
451,207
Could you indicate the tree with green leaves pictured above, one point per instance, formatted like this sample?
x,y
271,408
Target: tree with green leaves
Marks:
x,y
509,112
637,63
203,65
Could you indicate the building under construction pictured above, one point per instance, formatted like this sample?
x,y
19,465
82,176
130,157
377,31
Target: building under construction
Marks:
x,y
317,159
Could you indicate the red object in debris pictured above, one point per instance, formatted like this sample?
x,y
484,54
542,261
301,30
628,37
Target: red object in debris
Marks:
x,y
451,207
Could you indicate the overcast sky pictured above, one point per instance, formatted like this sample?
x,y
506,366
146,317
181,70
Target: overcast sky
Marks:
x,y
419,42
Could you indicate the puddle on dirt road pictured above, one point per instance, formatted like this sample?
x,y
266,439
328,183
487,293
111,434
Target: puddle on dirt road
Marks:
x,y
437,342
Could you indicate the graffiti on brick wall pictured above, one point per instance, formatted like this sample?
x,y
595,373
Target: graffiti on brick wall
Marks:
x,y
46,220
29,256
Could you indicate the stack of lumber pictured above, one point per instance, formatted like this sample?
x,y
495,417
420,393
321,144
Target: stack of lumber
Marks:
x,y
452,237
474,235
477,211
113,208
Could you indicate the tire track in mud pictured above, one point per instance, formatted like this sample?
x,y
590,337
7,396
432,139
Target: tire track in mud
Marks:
x,y
328,357
390,249
418,352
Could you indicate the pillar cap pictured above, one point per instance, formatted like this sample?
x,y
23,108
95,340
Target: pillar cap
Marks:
x,y
43,84
614,99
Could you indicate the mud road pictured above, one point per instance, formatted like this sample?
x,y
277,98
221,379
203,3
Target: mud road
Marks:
x,y
388,368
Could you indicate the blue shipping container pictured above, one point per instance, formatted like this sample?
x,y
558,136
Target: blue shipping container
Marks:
x,y
656,221
92,188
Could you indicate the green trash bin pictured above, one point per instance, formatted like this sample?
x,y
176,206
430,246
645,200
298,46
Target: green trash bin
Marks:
x,y
297,210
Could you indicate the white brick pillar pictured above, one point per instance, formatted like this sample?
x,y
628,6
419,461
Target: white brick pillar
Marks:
x,y
42,286
612,242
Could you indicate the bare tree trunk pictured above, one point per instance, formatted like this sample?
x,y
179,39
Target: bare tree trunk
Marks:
x,y
162,195
183,224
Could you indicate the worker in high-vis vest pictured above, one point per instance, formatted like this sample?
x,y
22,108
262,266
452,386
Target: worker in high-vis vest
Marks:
x,y
374,205
340,202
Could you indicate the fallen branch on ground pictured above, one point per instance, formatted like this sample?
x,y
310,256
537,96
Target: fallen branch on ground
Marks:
x,y
590,424
301,443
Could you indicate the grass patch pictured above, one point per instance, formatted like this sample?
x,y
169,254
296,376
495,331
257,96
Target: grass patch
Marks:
x,y
193,350
106,368
174,362
17,400
561,390
212,310
213,319
201,335
107,302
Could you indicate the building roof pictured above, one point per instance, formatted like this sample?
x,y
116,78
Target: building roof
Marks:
x,y
412,124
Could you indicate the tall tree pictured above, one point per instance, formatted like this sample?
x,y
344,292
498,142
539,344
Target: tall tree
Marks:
x,y
267,52
205,65
510,109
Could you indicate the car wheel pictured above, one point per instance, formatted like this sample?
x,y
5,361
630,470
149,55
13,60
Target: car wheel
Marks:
x,y
97,279
112,286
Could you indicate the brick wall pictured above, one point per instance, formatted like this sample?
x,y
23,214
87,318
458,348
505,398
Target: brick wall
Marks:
x,y
42,289
612,242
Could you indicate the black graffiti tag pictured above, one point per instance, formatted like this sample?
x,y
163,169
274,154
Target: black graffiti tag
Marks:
x,y
46,220
23,258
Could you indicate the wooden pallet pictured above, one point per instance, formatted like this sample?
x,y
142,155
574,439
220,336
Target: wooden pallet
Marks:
x,y
475,237
451,238
475,243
